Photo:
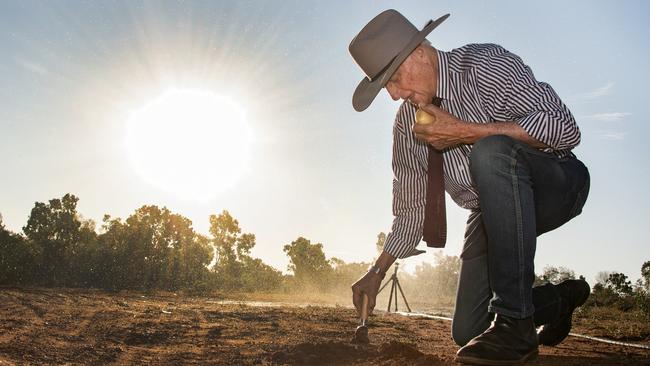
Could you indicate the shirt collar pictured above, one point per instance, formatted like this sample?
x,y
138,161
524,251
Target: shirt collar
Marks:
x,y
443,88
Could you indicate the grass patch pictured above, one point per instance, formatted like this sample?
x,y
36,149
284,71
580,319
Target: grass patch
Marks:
x,y
612,323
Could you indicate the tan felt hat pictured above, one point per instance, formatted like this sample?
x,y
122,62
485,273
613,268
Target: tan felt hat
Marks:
x,y
380,48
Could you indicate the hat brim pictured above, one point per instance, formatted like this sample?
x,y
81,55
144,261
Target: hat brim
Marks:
x,y
368,89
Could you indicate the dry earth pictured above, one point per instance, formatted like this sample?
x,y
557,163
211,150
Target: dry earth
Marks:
x,y
64,326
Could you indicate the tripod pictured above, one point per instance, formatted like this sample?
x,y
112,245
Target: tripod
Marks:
x,y
393,289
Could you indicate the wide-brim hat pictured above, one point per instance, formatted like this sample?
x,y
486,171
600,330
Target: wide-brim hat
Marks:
x,y
380,48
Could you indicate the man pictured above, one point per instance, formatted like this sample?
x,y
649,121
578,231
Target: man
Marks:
x,y
506,143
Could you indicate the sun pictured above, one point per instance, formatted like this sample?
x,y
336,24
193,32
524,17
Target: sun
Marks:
x,y
192,144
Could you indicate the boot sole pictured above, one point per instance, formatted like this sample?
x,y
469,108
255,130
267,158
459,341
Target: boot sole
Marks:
x,y
480,361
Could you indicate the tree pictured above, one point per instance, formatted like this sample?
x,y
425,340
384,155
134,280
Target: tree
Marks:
x,y
225,236
153,249
61,237
17,258
85,266
160,249
645,274
113,255
642,294
225,232
234,268
308,263
259,276
439,281
556,275
381,241
602,276
191,264
603,296
619,283
345,274
245,243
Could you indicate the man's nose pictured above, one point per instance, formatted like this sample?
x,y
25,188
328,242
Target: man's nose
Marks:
x,y
393,91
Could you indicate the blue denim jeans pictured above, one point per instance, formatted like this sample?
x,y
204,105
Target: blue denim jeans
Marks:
x,y
523,192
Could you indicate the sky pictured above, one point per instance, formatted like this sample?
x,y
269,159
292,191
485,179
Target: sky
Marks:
x,y
73,73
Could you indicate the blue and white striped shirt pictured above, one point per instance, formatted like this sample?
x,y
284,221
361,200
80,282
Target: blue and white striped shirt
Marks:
x,y
479,83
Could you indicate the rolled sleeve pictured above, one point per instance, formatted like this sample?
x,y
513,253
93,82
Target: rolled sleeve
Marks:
x,y
555,129
510,92
409,188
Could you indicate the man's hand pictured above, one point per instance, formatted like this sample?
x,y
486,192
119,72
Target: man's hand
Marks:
x,y
445,130
368,284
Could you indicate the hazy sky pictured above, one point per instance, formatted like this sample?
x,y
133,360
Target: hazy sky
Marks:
x,y
72,72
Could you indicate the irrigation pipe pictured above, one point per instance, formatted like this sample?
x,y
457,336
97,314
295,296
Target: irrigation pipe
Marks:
x,y
597,339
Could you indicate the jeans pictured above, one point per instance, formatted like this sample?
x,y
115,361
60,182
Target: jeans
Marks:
x,y
523,192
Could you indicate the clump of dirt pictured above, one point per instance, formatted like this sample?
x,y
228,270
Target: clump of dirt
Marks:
x,y
140,333
330,353
320,354
214,333
145,337
406,354
396,349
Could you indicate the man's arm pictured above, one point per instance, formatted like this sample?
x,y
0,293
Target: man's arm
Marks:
x,y
447,131
521,107
409,192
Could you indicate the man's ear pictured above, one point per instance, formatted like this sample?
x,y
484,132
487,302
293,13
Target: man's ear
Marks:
x,y
420,52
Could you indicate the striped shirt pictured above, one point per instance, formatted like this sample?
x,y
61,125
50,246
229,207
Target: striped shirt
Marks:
x,y
478,83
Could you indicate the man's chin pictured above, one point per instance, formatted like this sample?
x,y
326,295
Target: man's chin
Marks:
x,y
419,100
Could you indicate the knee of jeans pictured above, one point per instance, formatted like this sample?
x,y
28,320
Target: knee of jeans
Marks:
x,y
486,152
461,333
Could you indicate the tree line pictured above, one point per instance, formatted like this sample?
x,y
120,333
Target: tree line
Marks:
x,y
156,249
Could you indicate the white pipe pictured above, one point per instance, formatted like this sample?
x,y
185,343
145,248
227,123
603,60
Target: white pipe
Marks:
x,y
603,340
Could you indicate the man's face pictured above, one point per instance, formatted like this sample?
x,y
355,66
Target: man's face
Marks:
x,y
415,79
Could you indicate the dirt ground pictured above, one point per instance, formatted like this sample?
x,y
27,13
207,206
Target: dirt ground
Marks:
x,y
64,326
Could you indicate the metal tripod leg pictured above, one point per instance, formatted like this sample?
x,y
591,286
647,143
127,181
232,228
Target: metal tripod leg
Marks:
x,y
394,287
403,297
390,297
382,287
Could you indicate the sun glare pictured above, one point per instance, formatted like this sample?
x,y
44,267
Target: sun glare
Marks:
x,y
192,144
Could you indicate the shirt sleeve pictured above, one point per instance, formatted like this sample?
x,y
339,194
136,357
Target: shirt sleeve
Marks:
x,y
509,92
409,187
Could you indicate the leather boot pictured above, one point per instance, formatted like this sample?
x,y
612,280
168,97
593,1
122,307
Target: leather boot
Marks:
x,y
508,341
573,293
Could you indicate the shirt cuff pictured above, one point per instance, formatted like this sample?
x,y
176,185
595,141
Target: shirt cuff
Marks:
x,y
398,249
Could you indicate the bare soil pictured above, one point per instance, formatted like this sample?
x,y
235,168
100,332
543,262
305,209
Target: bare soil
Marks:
x,y
70,326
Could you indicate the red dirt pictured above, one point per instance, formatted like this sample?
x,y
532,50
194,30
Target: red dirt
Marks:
x,y
63,326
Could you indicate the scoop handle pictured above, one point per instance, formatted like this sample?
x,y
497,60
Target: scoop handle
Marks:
x,y
364,309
